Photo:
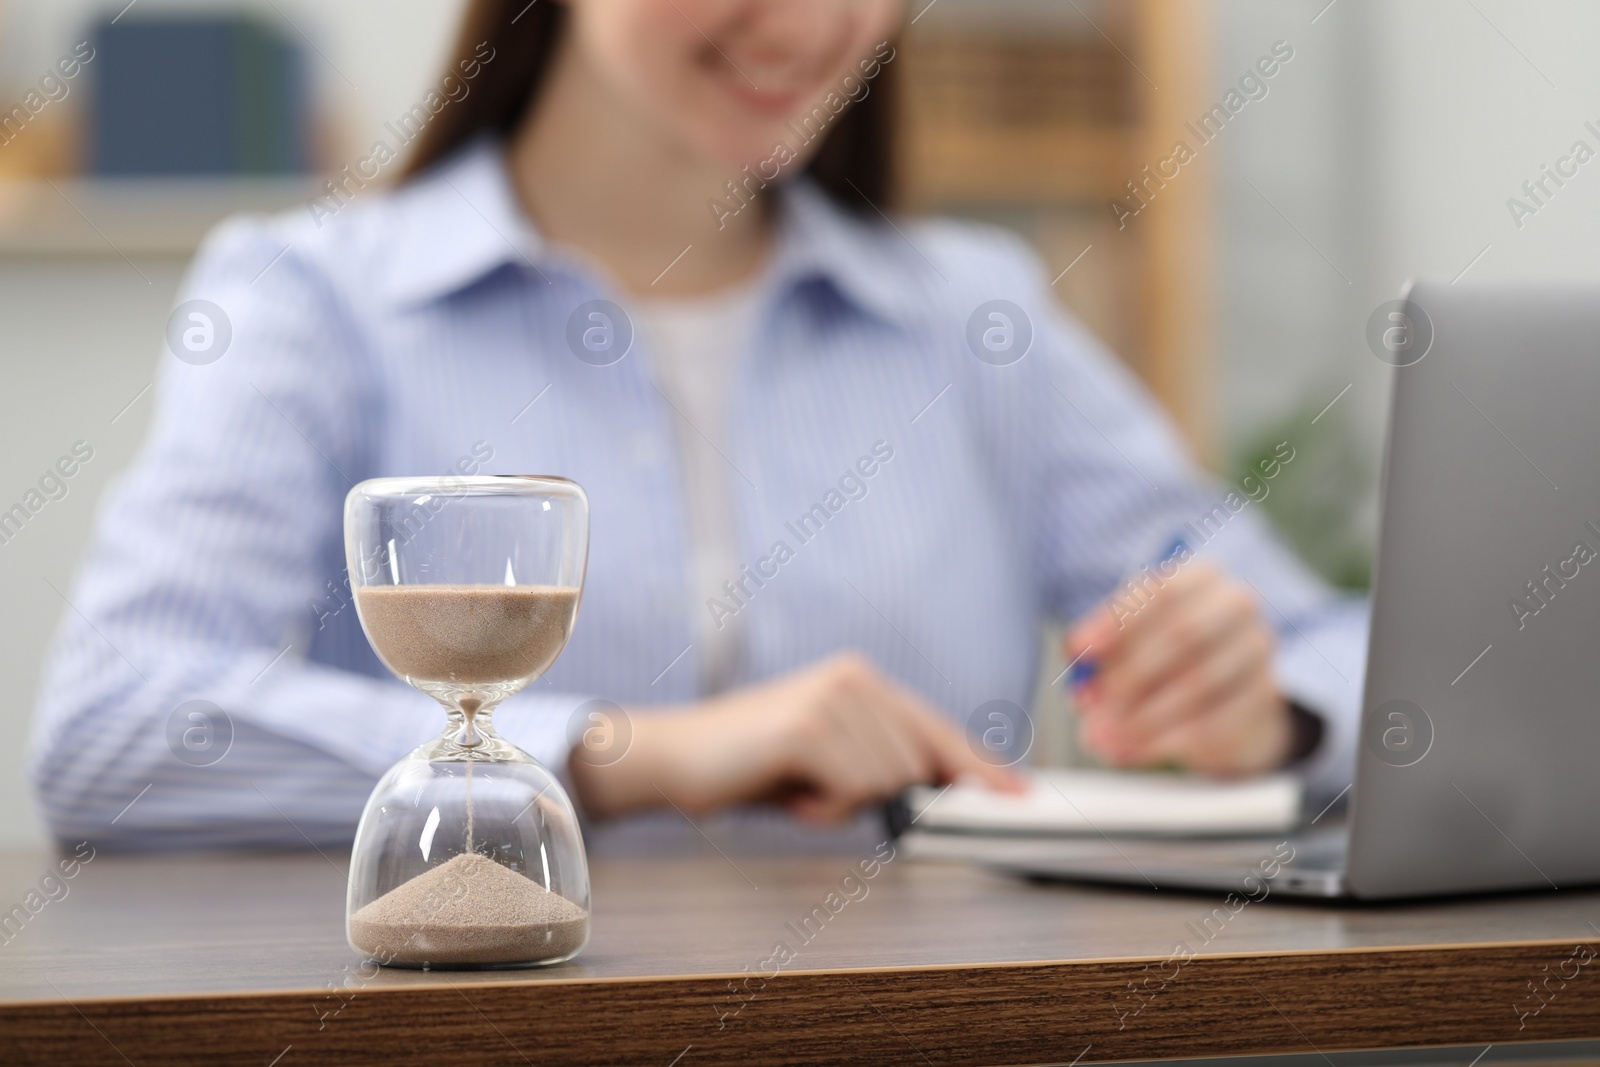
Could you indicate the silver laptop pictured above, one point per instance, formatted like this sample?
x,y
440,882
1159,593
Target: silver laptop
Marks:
x,y
1476,769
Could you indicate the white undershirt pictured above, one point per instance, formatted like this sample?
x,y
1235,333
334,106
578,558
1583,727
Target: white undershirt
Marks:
x,y
694,345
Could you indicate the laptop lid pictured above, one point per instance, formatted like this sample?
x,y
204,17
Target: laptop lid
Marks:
x,y
1480,721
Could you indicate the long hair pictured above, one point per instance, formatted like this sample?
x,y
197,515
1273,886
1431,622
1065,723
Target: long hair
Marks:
x,y
853,165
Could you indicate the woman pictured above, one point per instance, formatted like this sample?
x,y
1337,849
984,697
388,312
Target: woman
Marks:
x,y
834,485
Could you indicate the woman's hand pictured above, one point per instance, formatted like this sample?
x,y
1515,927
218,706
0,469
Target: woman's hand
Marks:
x,y
1185,678
823,741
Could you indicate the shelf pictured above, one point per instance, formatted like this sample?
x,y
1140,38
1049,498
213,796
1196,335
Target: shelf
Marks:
x,y
975,165
1047,120
91,217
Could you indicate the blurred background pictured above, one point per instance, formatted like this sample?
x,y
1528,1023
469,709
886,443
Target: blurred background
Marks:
x,y
1236,280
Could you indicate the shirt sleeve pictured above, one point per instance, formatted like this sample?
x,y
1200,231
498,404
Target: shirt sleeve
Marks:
x,y
1103,486
180,707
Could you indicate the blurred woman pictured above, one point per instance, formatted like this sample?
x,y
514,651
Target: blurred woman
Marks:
x,y
840,467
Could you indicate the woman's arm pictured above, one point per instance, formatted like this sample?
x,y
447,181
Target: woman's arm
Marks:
x,y
1202,663
180,708
823,741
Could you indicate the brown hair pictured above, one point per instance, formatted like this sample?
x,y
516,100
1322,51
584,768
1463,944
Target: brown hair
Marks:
x,y
858,148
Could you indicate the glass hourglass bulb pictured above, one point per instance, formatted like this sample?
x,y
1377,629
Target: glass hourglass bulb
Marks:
x,y
468,853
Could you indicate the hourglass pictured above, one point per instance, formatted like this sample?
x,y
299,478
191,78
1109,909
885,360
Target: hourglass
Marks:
x,y
468,853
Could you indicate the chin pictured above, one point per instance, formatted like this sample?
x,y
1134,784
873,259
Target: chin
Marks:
x,y
754,148
737,135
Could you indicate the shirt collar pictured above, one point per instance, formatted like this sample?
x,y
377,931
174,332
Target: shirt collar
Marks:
x,y
818,240
460,221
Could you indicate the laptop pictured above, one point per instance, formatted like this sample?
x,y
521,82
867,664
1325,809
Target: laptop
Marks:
x,y
1476,767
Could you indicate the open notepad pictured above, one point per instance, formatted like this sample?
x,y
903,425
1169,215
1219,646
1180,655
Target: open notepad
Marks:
x,y
1069,802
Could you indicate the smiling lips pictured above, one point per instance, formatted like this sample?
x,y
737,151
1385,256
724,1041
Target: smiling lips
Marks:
x,y
761,96
775,88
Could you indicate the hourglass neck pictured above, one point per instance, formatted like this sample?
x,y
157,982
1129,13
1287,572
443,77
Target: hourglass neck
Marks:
x,y
449,744
468,724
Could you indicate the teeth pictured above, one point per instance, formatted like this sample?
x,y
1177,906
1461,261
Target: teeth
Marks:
x,y
768,85
777,80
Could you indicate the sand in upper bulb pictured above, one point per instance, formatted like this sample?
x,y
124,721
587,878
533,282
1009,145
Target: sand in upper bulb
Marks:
x,y
467,633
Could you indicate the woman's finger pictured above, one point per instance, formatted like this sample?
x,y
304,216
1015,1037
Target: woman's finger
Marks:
x,y
1198,616
946,748
1103,635
870,705
1093,636
1241,659
830,774
891,759
1248,733
1106,636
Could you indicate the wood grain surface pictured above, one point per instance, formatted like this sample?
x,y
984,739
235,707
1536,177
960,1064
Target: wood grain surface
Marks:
x,y
241,959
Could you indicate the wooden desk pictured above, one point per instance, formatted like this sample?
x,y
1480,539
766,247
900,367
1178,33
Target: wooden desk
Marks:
x,y
230,960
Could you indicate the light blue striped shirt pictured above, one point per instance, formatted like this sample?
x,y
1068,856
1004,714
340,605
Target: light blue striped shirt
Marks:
x,y
932,506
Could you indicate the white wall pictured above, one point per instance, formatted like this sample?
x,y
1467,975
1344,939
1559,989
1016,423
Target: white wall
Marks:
x,y
77,345
79,337
1392,142
1475,118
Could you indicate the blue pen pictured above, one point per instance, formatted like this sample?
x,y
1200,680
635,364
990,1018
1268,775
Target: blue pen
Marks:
x,y
1083,671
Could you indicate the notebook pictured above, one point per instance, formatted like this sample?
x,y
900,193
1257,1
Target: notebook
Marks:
x,y
1071,802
